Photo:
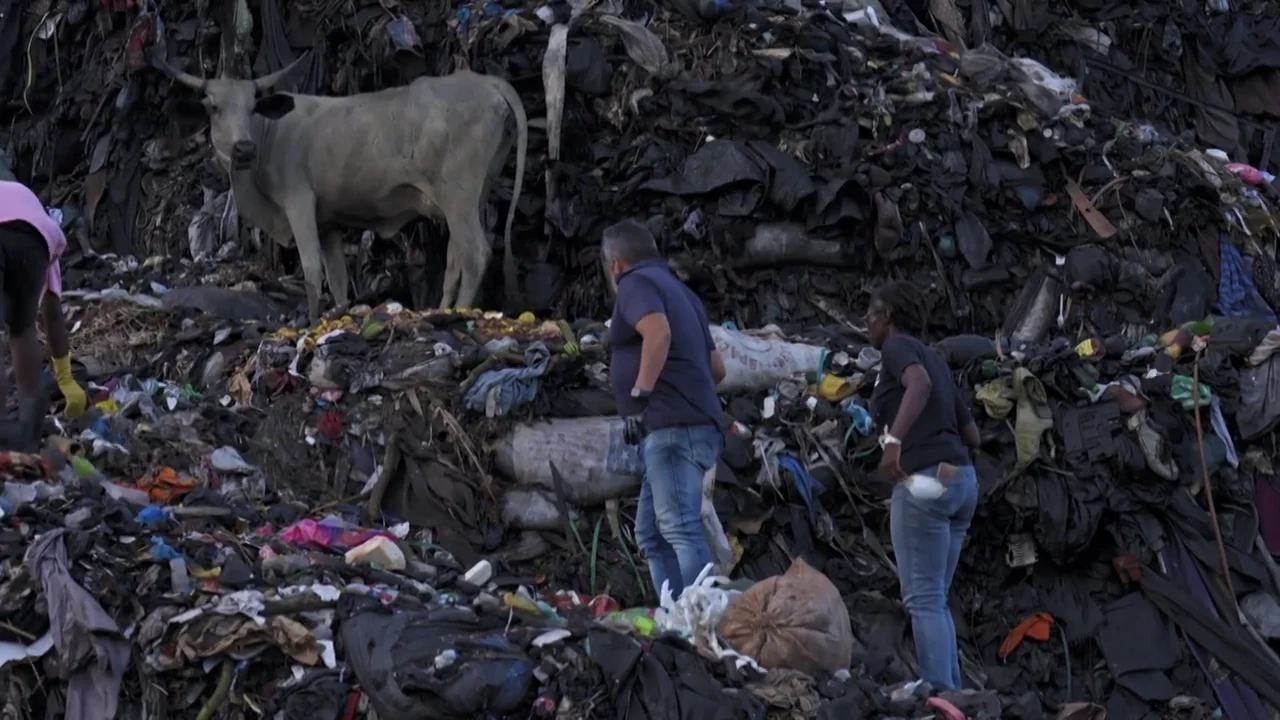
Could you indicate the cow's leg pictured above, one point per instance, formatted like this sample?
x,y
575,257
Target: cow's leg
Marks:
x,y
457,223
302,220
472,253
452,274
335,268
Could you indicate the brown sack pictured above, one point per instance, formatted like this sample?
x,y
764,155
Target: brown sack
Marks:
x,y
796,621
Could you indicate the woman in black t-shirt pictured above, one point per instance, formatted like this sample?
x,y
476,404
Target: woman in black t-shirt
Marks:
x,y
926,427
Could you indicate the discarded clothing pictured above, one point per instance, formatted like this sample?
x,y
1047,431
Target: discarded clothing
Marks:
x,y
1237,295
440,663
498,392
1034,416
90,651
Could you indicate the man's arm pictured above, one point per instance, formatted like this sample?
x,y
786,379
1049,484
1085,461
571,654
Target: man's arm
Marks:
x,y
655,334
642,307
717,362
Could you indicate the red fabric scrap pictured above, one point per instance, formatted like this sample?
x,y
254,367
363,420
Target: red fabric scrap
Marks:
x,y
136,50
330,425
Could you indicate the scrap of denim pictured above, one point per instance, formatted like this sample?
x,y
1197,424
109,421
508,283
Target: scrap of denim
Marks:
x,y
498,392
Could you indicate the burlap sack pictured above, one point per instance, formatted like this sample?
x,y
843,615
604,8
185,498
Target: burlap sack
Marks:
x,y
796,621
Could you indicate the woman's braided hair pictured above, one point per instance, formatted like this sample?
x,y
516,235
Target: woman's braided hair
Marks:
x,y
906,306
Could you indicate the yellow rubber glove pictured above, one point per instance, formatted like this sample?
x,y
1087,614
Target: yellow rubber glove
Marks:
x,y
71,390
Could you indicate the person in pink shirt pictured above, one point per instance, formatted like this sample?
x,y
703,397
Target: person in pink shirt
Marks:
x,y
31,244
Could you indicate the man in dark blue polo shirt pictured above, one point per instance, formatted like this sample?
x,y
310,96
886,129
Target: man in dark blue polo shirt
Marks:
x,y
664,371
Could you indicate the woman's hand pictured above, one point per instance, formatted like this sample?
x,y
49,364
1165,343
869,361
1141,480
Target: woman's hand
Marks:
x,y
891,463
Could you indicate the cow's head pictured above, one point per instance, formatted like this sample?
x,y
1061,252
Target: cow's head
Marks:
x,y
230,103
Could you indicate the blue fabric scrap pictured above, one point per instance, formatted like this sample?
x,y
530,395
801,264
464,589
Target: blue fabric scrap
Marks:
x,y
1237,294
513,386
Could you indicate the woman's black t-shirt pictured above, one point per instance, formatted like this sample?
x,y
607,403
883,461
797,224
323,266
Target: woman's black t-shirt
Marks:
x,y
935,436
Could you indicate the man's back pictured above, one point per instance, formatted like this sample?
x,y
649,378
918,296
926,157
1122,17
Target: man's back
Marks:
x,y
685,393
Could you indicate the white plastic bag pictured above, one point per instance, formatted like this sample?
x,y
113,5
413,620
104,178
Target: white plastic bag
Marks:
x,y
754,363
697,613
721,551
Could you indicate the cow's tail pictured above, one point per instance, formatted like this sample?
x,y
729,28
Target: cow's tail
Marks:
x,y
510,276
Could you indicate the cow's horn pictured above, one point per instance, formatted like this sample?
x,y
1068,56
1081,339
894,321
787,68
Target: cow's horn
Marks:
x,y
263,84
163,66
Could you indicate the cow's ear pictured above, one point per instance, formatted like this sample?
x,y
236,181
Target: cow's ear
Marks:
x,y
274,106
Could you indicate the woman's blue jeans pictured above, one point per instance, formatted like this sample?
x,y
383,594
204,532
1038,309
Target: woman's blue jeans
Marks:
x,y
927,537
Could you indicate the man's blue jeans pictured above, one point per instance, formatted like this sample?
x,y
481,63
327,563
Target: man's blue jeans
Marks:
x,y
669,519
927,537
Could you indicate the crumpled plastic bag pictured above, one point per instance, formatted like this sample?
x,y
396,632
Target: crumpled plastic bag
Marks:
x,y
1263,613
214,226
700,606
642,44
697,614
1049,92
721,550
796,621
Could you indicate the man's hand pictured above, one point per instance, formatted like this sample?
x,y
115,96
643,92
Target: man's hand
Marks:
x,y
634,431
891,463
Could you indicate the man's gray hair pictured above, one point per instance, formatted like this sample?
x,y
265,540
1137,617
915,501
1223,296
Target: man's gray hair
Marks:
x,y
629,241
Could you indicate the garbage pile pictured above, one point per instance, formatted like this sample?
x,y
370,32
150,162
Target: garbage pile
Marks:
x,y
267,517
478,536
784,135
1208,70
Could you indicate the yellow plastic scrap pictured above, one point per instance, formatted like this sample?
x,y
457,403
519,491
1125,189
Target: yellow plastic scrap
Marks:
x,y
570,341
1088,348
523,604
527,318
738,551
108,407
834,388
345,323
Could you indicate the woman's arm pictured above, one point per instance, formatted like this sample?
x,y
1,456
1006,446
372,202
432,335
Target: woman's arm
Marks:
x,y
55,330
964,420
916,388
55,326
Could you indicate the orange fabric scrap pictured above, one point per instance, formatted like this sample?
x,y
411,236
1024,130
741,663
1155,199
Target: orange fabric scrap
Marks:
x,y
1036,627
165,485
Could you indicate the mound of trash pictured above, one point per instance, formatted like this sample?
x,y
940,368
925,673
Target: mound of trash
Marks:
x,y
407,513
753,143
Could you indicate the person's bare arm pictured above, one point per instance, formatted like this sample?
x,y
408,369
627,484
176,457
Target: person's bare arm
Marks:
x,y
55,326
717,367
964,420
655,343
